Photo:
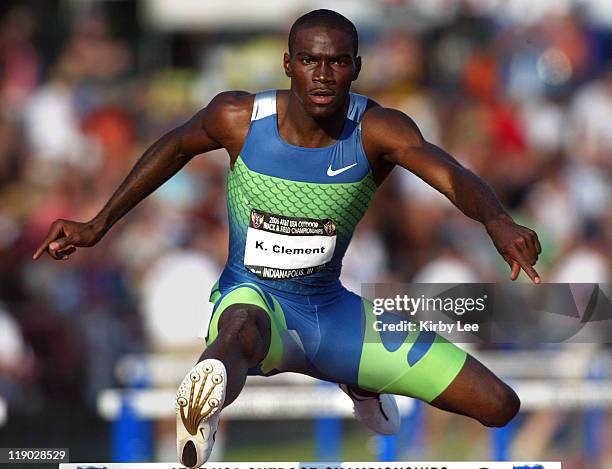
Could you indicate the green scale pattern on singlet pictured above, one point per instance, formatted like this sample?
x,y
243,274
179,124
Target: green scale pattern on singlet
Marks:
x,y
345,203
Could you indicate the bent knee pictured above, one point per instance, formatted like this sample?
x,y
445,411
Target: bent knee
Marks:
x,y
238,321
244,326
503,407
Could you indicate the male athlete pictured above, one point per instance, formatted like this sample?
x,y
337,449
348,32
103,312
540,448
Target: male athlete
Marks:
x,y
305,164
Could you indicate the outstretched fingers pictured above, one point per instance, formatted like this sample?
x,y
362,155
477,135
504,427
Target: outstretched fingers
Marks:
x,y
518,245
59,243
54,232
525,261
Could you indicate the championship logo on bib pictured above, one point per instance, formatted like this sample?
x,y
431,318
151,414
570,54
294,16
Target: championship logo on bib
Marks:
x,y
280,247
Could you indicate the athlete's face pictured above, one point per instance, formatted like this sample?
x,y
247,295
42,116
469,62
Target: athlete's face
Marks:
x,y
321,69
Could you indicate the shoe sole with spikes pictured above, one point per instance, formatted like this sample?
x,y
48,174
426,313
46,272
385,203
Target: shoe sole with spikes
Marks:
x,y
199,400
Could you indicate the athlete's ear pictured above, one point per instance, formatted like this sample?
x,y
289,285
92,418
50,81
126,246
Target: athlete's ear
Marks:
x,y
287,65
357,67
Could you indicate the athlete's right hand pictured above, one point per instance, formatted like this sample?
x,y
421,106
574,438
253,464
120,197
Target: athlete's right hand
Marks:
x,y
65,236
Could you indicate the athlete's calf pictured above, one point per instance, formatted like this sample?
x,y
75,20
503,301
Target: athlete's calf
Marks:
x,y
478,393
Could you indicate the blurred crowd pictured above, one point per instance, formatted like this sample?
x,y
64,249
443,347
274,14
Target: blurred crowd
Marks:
x,y
526,107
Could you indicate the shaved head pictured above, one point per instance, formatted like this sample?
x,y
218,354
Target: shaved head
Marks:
x,y
326,18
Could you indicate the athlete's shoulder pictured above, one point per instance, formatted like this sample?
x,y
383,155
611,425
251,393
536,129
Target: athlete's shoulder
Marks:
x,y
377,115
231,105
387,126
227,116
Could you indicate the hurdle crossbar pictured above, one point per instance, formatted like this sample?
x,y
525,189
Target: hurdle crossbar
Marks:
x,y
308,402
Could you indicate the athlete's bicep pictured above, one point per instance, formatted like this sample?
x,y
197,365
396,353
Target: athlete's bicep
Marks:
x,y
194,139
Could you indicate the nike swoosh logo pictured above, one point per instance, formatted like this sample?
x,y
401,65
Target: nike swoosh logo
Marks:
x,y
334,172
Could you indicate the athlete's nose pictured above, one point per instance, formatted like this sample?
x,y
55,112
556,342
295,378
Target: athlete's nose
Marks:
x,y
323,73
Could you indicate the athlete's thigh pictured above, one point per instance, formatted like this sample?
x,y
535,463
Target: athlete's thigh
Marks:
x,y
415,364
357,349
243,296
341,325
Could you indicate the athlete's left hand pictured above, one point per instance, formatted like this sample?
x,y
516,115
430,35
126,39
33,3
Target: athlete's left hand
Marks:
x,y
518,245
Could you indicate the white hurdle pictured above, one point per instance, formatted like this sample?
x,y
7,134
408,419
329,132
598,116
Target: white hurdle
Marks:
x,y
255,402
270,402
568,378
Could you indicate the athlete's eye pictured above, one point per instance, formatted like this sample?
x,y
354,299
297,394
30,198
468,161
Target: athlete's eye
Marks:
x,y
307,60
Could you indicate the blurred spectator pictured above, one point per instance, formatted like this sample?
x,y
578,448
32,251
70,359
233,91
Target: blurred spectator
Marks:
x,y
590,114
52,123
16,361
19,58
586,262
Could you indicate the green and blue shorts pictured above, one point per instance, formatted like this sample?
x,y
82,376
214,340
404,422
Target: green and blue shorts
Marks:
x,y
332,337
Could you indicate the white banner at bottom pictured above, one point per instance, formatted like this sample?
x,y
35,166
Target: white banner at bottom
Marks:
x,y
329,465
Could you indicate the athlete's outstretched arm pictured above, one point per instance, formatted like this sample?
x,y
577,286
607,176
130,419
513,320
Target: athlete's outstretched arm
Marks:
x,y
395,138
208,130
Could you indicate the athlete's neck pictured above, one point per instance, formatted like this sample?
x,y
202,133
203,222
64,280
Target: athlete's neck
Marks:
x,y
299,128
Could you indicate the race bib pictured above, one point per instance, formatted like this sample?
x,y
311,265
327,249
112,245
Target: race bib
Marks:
x,y
280,247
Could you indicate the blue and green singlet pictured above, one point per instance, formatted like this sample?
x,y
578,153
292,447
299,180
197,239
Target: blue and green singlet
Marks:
x,y
292,213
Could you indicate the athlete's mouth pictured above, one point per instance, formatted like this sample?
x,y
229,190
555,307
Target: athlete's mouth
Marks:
x,y
322,96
